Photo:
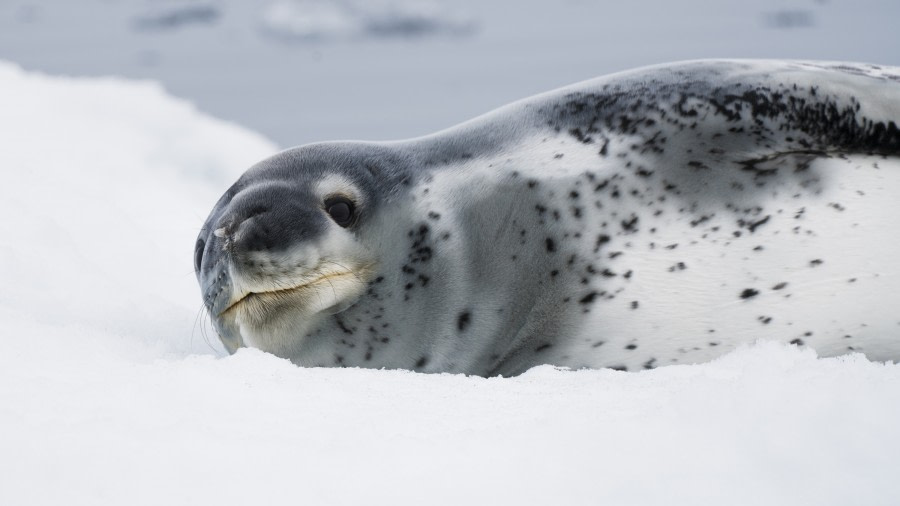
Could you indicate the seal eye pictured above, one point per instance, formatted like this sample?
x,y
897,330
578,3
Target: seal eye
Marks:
x,y
341,210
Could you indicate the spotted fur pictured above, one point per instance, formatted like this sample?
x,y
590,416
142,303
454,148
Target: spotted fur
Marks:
x,y
658,216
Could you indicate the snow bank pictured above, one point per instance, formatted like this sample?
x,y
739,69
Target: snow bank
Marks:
x,y
109,394
105,186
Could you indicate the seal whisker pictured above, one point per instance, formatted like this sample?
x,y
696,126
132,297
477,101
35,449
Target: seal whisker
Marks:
x,y
347,269
202,319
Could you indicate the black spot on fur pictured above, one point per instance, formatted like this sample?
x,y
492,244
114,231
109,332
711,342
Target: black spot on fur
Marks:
x,y
751,226
642,172
343,326
680,266
630,225
601,240
589,298
694,164
748,293
462,322
578,134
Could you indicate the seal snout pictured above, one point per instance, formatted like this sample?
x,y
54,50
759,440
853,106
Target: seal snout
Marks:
x,y
261,241
212,271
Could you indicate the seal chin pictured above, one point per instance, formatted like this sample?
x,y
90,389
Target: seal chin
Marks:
x,y
275,320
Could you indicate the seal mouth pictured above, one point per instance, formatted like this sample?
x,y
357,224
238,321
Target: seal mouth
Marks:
x,y
280,294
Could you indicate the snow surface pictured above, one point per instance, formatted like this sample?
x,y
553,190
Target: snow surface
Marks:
x,y
112,391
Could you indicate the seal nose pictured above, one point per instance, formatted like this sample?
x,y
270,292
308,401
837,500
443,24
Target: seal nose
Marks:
x,y
254,234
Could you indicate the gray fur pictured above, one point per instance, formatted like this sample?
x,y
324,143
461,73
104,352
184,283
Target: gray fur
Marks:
x,y
538,233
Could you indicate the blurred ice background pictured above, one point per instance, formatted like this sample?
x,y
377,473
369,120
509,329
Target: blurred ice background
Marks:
x,y
299,71
112,391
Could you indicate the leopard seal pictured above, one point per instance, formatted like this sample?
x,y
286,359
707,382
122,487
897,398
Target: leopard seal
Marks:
x,y
657,216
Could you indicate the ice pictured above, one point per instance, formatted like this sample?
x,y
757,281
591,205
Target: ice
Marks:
x,y
320,20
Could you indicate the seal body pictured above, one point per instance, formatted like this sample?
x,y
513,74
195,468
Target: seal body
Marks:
x,y
658,216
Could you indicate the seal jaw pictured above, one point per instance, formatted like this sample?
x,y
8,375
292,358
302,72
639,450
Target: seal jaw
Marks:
x,y
337,286
277,320
271,300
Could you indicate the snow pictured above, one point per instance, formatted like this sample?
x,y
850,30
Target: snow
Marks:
x,y
106,184
112,391
768,425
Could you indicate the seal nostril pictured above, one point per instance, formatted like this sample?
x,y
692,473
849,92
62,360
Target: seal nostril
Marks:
x,y
198,254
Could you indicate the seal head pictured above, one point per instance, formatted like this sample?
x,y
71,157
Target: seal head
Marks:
x,y
282,246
